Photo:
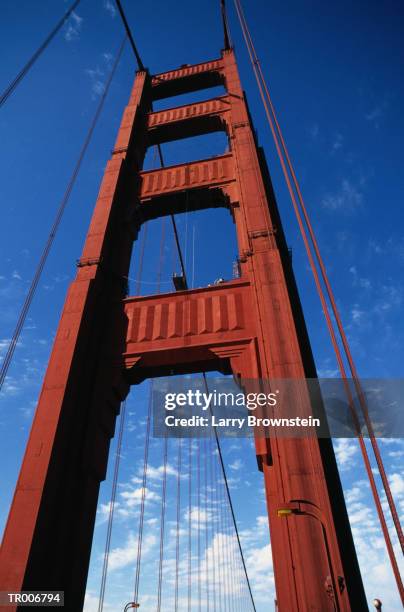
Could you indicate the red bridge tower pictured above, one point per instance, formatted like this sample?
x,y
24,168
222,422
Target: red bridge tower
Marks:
x,y
252,326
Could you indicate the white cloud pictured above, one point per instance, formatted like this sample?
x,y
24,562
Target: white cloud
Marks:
x,y
345,451
97,85
134,498
370,546
110,8
357,314
125,555
348,198
198,517
73,27
359,281
156,473
236,465
337,143
108,57
374,114
91,603
397,484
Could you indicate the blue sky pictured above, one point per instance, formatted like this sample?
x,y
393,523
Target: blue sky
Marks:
x,y
336,78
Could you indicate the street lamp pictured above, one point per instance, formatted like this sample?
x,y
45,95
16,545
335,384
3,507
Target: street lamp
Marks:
x,y
129,605
377,604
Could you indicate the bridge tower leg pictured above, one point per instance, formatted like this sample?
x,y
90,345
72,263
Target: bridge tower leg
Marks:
x,y
106,341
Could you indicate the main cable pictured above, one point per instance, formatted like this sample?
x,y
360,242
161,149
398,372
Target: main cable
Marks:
x,y
10,89
44,256
129,35
282,150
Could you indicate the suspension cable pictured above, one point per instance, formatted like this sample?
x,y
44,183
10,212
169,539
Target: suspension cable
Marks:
x,y
141,67
282,151
338,320
129,35
233,516
212,521
177,241
198,502
162,523
141,259
59,214
112,508
226,29
218,532
205,474
224,547
10,89
143,497
189,572
161,255
178,519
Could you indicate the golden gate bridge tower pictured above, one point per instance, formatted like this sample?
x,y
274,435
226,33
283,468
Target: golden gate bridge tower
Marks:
x,y
107,341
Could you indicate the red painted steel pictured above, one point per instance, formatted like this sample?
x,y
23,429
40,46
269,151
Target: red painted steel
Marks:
x,y
218,171
252,327
188,111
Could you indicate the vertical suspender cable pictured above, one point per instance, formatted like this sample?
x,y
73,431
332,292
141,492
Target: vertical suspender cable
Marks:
x,y
162,243
178,521
218,530
233,516
193,258
143,248
277,135
59,214
223,546
162,523
112,508
141,259
15,82
198,502
143,498
205,473
177,240
212,522
189,522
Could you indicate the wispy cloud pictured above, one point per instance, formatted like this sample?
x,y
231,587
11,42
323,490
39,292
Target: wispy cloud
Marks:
x,y
108,57
374,114
73,27
348,198
359,281
369,542
134,498
97,75
236,465
345,451
110,8
97,85
125,555
337,142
